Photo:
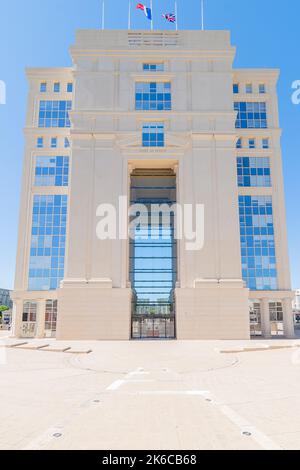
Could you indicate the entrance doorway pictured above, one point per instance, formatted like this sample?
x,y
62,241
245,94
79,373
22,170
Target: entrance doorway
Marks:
x,y
153,254
29,320
154,327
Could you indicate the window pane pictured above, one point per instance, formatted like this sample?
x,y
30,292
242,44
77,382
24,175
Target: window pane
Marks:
x,y
154,96
257,242
251,115
253,172
54,114
159,67
47,249
51,171
153,134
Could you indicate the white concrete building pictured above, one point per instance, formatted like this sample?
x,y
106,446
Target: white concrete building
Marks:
x,y
154,117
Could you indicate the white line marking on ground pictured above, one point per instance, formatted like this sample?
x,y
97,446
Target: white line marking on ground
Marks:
x,y
264,441
115,385
44,439
246,427
118,383
56,432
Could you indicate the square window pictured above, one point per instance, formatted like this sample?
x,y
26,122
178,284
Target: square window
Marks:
x,y
54,114
153,96
153,134
251,115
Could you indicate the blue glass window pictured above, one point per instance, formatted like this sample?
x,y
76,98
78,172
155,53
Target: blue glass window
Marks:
x,y
153,134
56,87
43,87
67,143
253,172
262,88
153,96
69,87
54,113
153,67
249,88
251,115
252,143
265,144
52,171
236,88
53,142
239,143
258,242
40,142
48,240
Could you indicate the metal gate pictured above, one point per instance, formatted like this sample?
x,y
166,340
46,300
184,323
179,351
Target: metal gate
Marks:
x,y
153,327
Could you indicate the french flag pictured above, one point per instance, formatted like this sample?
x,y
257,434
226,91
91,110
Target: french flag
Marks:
x,y
146,10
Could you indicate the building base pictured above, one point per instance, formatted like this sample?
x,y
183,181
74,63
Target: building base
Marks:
x,y
213,310
93,311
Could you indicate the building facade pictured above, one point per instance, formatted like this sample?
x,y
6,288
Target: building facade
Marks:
x,y
151,118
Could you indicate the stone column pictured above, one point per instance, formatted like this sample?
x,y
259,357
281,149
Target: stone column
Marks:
x,y
288,318
17,318
265,319
41,314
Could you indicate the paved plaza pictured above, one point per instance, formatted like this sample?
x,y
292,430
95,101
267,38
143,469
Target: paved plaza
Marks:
x,y
150,395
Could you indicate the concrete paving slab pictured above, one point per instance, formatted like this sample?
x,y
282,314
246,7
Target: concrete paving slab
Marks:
x,y
78,351
57,349
14,344
33,346
163,395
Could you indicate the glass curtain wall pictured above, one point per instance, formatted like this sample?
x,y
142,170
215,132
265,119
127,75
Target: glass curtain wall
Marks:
x,y
153,254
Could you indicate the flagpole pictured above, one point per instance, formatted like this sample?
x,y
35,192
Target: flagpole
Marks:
x,y
103,14
151,5
129,14
202,15
176,15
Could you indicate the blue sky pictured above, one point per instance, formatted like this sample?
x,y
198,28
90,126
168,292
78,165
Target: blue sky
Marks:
x,y
35,33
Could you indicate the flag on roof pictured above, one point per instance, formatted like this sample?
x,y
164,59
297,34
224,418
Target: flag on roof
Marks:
x,y
171,17
146,10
